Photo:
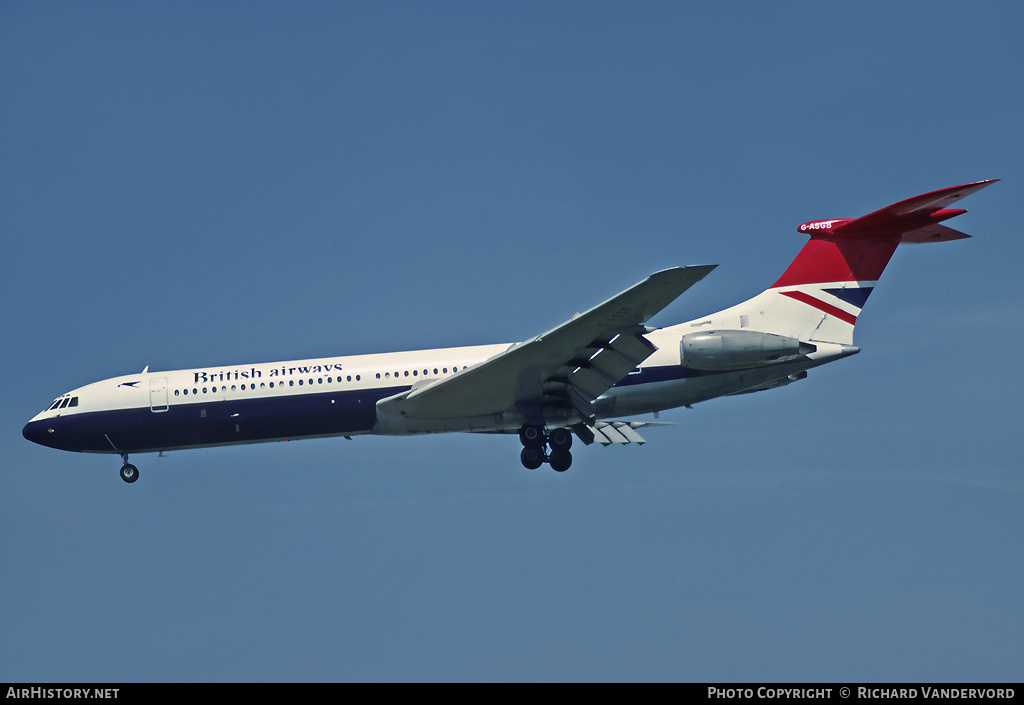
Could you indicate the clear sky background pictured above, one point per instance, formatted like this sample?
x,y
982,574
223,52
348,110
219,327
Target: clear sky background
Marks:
x,y
198,184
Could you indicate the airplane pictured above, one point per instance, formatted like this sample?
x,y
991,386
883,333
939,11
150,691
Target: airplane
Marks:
x,y
580,379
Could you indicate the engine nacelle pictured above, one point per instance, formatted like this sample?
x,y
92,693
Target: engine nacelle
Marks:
x,y
739,349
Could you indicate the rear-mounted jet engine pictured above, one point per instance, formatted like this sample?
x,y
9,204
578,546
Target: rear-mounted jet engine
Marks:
x,y
739,349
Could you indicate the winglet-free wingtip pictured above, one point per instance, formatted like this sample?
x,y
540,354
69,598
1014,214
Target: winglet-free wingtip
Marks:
x,y
702,269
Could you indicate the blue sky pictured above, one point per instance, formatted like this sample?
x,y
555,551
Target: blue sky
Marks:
x,y
198,184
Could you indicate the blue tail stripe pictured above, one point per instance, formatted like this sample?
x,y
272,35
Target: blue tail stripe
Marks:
x,y
855,297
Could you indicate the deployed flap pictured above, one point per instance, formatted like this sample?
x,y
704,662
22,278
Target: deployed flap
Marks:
x,y
610,432
605,343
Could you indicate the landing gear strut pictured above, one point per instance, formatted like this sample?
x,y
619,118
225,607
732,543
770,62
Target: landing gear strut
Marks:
x,y
129,473
534,439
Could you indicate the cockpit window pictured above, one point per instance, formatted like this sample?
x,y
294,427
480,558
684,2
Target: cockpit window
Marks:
x,y
63,403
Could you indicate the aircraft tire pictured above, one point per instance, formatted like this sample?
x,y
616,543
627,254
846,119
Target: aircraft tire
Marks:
x,y
560,460
560,439
532,457
129,473
532,436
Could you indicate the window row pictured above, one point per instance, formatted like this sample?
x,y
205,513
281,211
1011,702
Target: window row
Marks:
x,y
195,391
263,385
416,373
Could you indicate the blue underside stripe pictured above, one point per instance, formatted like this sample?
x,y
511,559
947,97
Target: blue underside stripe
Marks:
x,y
217,423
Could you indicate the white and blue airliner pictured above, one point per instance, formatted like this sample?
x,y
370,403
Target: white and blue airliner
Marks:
x,y
582,379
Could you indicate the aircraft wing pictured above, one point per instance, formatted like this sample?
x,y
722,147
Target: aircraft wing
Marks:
x,y
569,366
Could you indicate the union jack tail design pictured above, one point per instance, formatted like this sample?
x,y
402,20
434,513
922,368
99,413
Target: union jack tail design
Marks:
x,y
822,292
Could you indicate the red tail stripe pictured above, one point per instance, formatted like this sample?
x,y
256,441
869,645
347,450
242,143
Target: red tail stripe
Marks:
x,y
821,306
826,260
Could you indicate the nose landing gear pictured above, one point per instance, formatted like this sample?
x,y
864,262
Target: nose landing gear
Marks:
x,y
129,473
535,438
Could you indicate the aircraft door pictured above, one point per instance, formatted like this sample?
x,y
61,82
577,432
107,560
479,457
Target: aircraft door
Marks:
x,y
158,394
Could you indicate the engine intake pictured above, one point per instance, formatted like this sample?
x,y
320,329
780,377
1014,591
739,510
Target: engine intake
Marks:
x,y
739,349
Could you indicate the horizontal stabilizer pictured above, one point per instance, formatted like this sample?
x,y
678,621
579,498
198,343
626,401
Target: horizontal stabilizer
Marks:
x,y
932,233
913,220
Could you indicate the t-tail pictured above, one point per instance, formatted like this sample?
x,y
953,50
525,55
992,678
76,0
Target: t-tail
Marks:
x,y
820,295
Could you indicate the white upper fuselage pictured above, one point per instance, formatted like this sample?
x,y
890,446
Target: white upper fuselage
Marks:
x,y
159,391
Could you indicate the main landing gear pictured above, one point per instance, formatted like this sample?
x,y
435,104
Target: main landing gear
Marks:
x,y
129,473
536,443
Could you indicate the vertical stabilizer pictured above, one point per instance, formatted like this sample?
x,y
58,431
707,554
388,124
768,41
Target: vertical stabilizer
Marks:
x,y
820,295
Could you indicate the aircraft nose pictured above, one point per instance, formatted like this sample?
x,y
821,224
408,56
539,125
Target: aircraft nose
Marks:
x,y
37,432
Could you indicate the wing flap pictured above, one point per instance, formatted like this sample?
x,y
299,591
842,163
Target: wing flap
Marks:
x,y
606,434
633,346
613,365
590,383
609,433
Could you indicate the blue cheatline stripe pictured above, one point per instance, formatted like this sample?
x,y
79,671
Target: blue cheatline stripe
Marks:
x,y
855,297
